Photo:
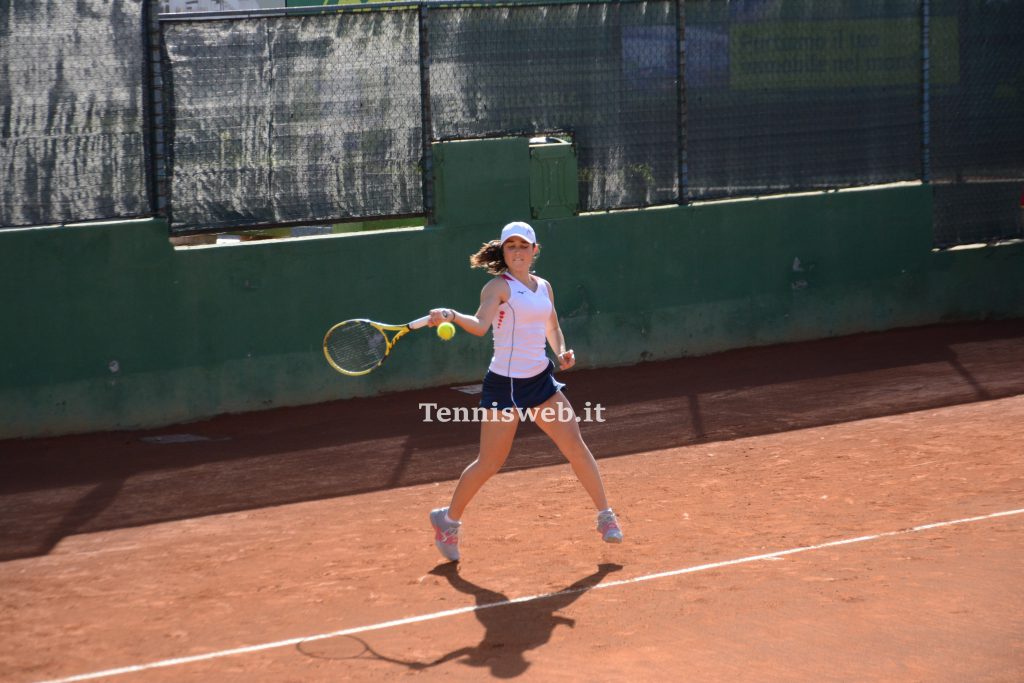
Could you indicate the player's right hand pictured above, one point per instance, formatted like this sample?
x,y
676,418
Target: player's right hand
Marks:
x,y
441,315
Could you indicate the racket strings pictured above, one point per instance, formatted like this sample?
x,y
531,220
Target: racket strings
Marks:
x,y
356,346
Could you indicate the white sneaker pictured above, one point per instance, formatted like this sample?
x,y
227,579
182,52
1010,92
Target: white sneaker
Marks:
x,y
608,525
446,534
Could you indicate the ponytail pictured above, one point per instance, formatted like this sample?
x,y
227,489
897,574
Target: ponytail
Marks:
x,y
490,258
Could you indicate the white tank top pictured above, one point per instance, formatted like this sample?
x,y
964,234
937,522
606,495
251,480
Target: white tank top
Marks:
x,y
520,330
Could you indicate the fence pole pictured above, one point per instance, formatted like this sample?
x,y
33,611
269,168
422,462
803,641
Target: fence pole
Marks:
x,y
156,169
926,113
684,178
427,117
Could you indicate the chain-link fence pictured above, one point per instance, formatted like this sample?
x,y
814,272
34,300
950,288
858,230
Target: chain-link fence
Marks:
x,y
977,121
72,111
317,115
277,120
801,95
605,72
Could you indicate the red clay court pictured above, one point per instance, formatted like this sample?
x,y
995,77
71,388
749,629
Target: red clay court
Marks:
x,y
841,510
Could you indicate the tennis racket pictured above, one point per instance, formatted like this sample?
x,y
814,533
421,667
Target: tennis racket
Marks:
x,y
358,347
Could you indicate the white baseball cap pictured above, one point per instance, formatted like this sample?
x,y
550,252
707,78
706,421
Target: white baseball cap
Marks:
x,y
518,229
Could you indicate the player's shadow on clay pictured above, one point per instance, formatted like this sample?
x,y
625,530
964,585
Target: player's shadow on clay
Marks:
x,y
511,628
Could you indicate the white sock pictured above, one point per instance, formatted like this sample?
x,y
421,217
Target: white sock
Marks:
x,y
601,512
449,519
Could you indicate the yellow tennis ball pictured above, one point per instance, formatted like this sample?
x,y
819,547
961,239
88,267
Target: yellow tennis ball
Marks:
x,y
446,331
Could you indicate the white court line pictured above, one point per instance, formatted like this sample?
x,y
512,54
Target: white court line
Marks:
x,y
474,608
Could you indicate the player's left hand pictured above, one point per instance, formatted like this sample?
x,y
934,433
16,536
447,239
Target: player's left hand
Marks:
x,y
566,360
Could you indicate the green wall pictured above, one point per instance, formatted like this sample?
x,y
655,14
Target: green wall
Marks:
x,y
206,330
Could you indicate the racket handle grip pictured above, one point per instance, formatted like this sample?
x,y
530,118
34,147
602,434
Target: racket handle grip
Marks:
x,y
419,322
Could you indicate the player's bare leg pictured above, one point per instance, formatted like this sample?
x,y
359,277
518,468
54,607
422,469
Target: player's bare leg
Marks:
x,y
564,430
560,424
496,435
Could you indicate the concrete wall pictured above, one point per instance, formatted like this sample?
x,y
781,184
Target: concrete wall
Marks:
x,y
106,326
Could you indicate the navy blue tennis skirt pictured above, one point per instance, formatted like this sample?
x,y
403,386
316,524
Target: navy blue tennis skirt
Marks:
x,y
502,392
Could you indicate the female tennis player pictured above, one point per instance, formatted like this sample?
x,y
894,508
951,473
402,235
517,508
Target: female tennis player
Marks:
x,y
519,307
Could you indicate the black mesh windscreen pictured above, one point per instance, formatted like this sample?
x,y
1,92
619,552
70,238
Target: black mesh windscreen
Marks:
x,y
974,211
271,119
796,95
72,123
286,119
977,120
604,72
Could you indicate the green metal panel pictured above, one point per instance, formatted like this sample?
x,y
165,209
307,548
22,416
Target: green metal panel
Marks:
x,y
481,181
554,185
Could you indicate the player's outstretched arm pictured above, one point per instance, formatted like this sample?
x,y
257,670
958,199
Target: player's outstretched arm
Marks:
x,y
492,296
